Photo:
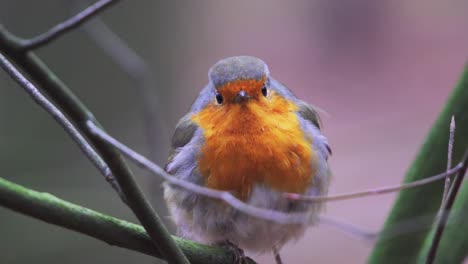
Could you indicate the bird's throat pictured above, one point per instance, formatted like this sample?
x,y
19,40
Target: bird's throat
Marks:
x,y
257,142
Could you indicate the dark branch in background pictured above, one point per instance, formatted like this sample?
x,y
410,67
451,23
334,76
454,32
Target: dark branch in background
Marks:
x,y
113,231
79,114
63,122
65,26
140,73
445,212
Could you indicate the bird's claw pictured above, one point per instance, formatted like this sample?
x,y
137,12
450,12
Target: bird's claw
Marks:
x,y
238,253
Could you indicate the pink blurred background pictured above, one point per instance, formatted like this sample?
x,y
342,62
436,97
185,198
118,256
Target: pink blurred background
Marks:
x,y
381,70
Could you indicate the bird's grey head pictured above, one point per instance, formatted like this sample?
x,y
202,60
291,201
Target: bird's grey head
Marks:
x,y
237,68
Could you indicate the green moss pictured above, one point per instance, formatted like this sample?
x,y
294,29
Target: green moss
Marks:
x,y
111,230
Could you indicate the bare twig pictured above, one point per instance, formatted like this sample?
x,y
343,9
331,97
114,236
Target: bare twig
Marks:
x,y
441,221
376,191
449,160
66,25
271,215
84,146
113,231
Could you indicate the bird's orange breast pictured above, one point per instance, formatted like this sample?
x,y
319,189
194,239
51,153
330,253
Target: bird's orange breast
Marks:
x,y
257,142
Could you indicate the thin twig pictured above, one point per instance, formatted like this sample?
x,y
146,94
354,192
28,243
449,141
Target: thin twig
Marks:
x,y
84,146
271,215
113,231
377,191
67,25
441,221
449,160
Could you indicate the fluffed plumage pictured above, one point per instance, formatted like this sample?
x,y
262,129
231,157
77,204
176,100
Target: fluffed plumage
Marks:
x,y
249,134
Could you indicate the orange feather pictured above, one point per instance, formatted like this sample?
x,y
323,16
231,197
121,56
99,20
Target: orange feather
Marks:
x,y
256,142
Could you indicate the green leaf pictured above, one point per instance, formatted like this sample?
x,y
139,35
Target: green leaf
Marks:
x,y
425,201
453,247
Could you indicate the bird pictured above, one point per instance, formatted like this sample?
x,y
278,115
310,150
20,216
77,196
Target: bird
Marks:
x,y
247,134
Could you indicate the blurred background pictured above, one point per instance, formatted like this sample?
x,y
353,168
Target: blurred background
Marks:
x,y
381,70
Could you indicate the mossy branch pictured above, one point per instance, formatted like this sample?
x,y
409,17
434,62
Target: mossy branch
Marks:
x,y
20,52
113,231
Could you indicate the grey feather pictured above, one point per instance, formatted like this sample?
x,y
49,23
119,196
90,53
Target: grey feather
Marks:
x,y
237,68
184,131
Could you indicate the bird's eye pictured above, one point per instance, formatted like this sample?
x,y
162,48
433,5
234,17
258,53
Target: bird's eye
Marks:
x,y
219,98
264,90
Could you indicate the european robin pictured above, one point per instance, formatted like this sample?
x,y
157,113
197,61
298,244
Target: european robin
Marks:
x,y
248,134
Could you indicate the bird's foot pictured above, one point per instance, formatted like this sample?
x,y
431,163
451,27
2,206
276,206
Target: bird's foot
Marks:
x,y
238,253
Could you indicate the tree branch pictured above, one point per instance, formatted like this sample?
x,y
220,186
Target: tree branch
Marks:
x,y
130,62
113,231
84,146
441,221
79,114
65,26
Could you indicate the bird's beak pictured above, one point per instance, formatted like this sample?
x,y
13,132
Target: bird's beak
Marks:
x,y
241,96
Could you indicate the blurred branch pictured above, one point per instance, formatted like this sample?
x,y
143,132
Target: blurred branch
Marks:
x,y
407,226
67,25
349,228
376,191
69,104
84,146
139,72
113,231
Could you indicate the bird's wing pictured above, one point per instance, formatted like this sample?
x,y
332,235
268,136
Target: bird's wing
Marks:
x,y
305,110
308,112
184,132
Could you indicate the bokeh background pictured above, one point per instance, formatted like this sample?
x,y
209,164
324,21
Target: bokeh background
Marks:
x,y
381,70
